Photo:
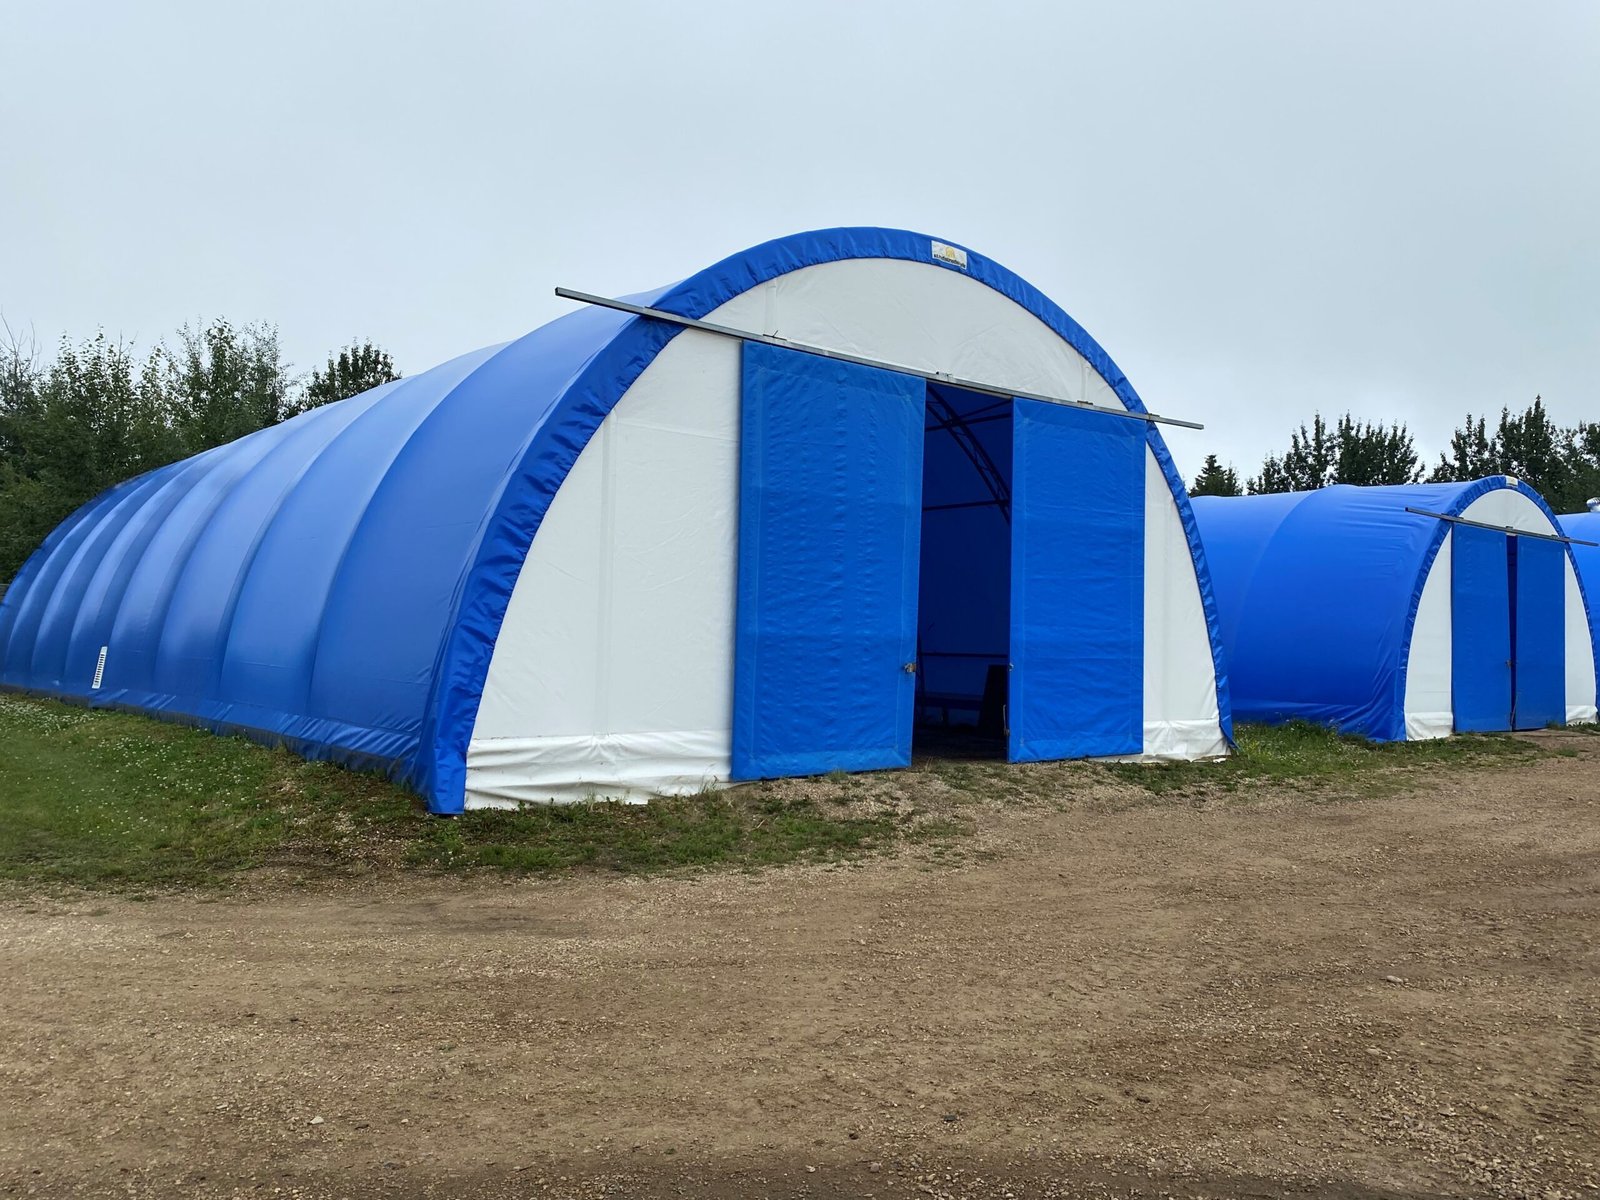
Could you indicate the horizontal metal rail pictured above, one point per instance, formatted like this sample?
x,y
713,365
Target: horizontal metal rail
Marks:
x,y
971,385
1548,537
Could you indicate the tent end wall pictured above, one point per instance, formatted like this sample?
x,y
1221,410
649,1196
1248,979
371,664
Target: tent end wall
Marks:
x,y
660,477
1429,708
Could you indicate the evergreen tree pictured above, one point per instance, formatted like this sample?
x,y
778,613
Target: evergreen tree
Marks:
x,y
1580,480
1472,454
1529,448
1563,465
1216,480
1308,464
1375,454
1351,452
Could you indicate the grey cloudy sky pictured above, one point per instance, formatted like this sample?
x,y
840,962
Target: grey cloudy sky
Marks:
x,y
1259,209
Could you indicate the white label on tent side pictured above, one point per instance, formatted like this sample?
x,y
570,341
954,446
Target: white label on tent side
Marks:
x,y
954,255
99,670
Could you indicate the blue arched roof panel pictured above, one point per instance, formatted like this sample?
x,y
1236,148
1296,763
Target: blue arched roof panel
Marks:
x,y
1318,595
338,581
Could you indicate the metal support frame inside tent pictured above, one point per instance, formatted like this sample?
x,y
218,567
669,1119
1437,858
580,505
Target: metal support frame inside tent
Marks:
x,y
971,385
1548,537
959,427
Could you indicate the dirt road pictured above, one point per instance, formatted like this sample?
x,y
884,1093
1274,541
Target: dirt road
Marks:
x,y
1270,996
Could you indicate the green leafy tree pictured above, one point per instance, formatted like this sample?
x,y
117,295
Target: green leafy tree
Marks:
x,y
222,383
355,369
1216,480
93,416
68,431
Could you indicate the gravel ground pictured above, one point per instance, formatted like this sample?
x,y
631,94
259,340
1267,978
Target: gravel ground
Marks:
x,y
1275,995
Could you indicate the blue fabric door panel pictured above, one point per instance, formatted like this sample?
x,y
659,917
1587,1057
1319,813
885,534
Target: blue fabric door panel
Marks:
x,y
1480,630
830,506
1077,584
1539,640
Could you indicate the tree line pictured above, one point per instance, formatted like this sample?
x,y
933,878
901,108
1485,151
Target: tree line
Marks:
x,y
94,414
1561,463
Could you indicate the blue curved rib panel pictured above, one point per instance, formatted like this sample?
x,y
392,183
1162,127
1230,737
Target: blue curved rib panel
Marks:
x,y
1318,595
337,582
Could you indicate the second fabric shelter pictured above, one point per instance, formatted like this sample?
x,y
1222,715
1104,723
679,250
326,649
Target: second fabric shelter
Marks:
x,y
1400,612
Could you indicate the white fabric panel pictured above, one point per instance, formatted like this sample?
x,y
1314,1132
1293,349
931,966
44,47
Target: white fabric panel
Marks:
x,y
916,315
619,634
507,772
1181,718
1580,655
1510,508
1430,711
615,659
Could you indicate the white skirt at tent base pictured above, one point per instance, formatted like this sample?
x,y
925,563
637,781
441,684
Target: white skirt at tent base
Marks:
x,y
1401,612
626,556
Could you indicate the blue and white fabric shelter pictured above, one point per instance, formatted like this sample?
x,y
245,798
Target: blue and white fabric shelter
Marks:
x,y
1354,607
619,557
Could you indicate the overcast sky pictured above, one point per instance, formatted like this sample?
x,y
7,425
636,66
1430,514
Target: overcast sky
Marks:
x,y
1259,209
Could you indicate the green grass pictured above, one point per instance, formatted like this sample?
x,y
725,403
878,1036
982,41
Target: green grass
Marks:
x,y
105,799
111,798
1308,757
748,829
114,799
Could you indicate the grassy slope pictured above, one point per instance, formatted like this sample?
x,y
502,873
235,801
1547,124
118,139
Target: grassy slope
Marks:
x,y
113,798
99,798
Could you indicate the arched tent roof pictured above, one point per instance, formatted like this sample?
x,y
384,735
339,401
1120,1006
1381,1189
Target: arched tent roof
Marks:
x,y
1586,526
338,581
1319,595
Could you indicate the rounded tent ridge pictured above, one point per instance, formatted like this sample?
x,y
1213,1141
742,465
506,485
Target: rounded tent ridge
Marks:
x,y
618,557
1345,607
1585,526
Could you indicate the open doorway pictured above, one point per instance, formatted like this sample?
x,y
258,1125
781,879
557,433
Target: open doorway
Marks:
x,y
964,589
